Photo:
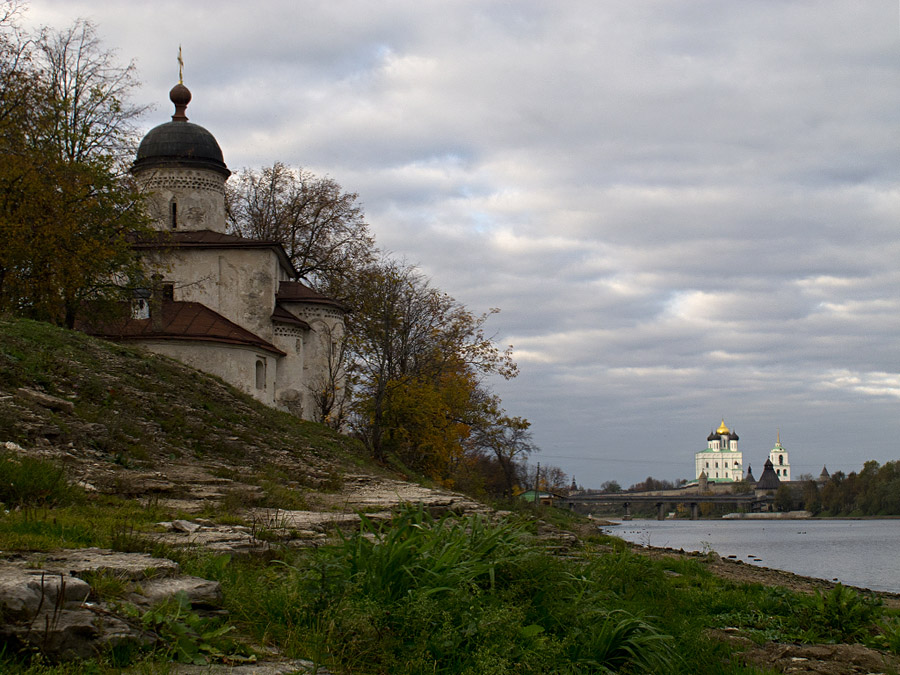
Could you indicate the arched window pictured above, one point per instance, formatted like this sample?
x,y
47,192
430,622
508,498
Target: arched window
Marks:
x,y
781,459
173,222
260,374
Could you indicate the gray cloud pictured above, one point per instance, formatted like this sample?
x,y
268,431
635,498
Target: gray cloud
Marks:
x,y
685,210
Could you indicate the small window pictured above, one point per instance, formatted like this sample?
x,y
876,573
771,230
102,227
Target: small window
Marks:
x,y
168,291
140,305
781,459
173,223
260,374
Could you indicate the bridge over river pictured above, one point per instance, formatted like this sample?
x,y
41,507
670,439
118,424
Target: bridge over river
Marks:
x,y
663,499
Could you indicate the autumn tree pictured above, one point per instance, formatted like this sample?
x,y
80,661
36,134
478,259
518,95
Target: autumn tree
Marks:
x,y
417,358
507,440
321,226
812,502
64,211
650,484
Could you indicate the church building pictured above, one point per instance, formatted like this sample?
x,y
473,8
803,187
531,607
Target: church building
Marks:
x,y
224,304
721,461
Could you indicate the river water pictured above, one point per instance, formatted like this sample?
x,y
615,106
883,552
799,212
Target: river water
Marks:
x,y
863,553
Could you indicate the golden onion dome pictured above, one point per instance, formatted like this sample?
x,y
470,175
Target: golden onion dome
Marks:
x,y
722,428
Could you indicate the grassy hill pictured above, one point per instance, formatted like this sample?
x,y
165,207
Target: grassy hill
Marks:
x,y
130,407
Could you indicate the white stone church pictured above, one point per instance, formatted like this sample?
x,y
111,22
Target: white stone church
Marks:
x,y
721,461
224,304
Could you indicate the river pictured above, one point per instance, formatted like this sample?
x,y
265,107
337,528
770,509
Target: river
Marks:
x,y
863,553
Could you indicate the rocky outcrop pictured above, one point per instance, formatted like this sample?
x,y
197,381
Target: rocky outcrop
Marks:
x,y
55,602
815,659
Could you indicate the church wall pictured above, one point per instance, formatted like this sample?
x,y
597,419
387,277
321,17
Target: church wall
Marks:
x,y
717,468
239,284
248,280
320,346
290,384
235,364
198,197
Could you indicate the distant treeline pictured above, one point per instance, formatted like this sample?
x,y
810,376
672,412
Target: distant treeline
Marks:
x,y
874,491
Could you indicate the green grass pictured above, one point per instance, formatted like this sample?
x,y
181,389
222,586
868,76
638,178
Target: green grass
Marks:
x,y
460,595
31,482
451,595
105,521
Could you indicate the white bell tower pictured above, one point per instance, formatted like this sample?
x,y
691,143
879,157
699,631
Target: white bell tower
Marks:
x,y
779,459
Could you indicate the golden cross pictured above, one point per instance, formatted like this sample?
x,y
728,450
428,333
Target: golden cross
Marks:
x,y
180,67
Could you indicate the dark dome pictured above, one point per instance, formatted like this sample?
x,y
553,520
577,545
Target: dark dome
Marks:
x,y
734,437
713,436
179,142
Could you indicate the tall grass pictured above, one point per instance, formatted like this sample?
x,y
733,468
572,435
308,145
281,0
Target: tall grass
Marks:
x,y
29,481
448,595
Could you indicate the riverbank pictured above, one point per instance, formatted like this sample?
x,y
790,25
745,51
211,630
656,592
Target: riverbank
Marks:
x,y
740,572
825,549
778,653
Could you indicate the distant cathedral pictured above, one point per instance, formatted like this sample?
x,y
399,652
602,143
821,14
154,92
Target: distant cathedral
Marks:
x,y
723,462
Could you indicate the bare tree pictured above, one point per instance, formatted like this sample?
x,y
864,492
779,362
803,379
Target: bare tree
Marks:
x,y
18,80
89,112
321,227
329,392
508,440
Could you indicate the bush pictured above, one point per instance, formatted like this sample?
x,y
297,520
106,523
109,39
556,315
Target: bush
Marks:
x,y
843,614
27,481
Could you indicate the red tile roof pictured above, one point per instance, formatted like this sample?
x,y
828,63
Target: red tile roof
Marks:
x,y
295,291
281,315
184,321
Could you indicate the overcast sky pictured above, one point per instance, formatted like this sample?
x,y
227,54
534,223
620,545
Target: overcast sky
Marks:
x,y
685,210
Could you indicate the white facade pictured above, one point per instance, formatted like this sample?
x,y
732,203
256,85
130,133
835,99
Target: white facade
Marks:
x,y
191,199
721,461
780,462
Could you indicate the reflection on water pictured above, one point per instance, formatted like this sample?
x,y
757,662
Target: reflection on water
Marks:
x,y
864,553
